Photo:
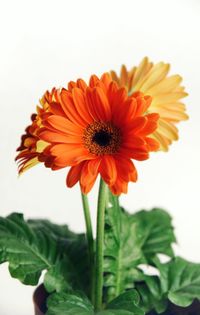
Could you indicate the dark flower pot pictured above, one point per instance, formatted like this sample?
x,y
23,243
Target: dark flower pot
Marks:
x,y
39,300
40,297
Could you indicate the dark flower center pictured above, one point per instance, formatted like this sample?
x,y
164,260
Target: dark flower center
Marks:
x,y
102,138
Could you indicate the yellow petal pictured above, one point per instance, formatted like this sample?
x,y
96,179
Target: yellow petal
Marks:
x,y
167,98
164,142
180,89
141,70
174,115
167,129
28,165
165,86
114,76
155,75
124,75
41,145
170,106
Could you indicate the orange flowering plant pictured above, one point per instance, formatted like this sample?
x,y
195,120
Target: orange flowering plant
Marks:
x,y
99,129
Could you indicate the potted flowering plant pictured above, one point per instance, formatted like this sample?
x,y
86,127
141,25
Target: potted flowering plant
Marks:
x,y
98,129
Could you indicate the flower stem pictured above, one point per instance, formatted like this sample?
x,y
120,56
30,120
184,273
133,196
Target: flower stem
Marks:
x,y
102,198
90,240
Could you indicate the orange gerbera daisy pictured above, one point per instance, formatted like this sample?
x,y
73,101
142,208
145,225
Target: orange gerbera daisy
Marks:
x,y
98,129
165,91
31,147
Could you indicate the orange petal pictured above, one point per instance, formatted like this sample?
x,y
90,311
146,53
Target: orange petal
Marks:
x,y
143,104
93,81
71,85
152,144
102,103
150,126
127,113
81,84
89,174
93,166
81,106
119,187
133,142
139,154
57,137
56,109
98,104
70,108
135,126
106,79
59,149
111,93
108,169
74,174
126,169
69,154
63,124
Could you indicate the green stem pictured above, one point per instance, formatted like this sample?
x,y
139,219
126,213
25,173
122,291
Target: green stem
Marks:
x,y
119,269
102,198
90,240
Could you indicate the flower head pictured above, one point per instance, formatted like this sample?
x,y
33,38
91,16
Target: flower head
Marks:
x,y
95,129
31,148
166,92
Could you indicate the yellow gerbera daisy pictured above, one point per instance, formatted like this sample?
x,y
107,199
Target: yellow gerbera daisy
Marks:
x,y
166,92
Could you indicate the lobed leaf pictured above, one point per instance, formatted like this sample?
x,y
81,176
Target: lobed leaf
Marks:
x,y
37,245
59,232
127,301
157,232
132,239
149,300
183,281
179,282
72,271
69,304
73,304
27,252
122,250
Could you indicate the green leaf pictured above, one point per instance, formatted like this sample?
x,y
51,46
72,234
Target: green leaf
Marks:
x,y
71,304
37,245
149,299
163,273
132,239
122,250
115,312
60,232
152,225
183,282
27,252
57,277
179,281
128,301
72,272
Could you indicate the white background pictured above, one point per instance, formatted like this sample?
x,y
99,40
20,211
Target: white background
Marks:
x,y
48,43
